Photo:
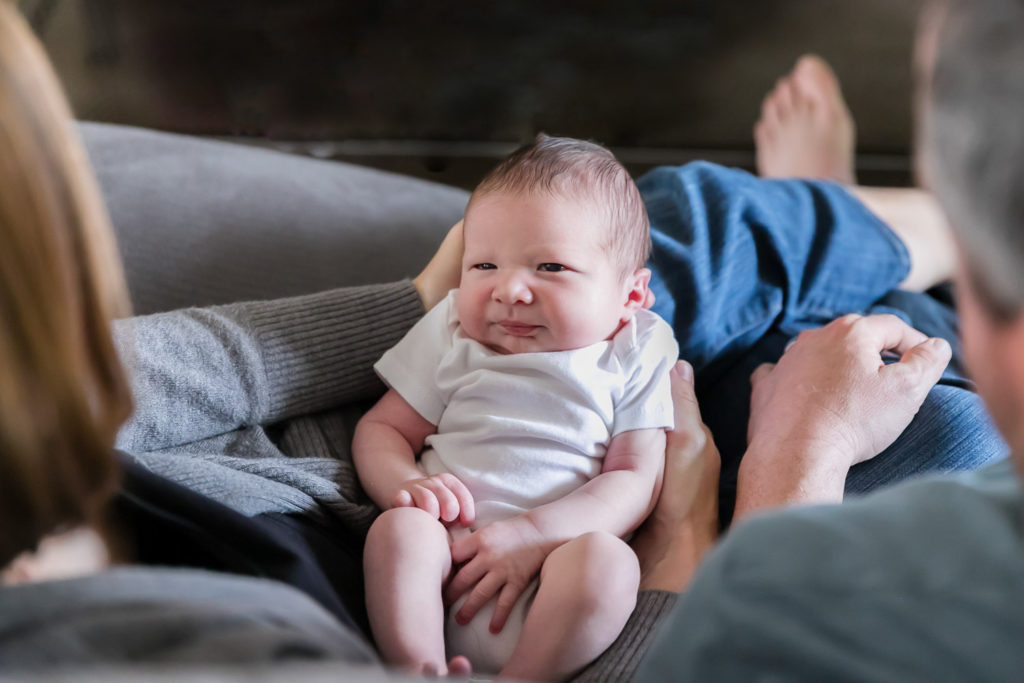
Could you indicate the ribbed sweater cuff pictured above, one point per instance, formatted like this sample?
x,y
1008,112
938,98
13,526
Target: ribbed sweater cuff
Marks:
x,y
318,350
621,661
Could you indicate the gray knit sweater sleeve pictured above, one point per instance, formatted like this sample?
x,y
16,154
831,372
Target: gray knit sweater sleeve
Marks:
x,y
620,661
200,372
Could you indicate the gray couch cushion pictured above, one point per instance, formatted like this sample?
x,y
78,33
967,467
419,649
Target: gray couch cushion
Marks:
x,y
202,222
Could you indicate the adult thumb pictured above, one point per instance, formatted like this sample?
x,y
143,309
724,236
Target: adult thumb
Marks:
x,y
922,365
762,371
684,400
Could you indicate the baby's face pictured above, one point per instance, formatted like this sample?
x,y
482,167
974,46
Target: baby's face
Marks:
x,y
536,275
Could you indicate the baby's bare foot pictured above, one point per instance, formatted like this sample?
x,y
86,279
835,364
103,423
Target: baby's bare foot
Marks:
x,y
805,129
460,666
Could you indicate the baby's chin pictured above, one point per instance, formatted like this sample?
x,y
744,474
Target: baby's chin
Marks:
x,y
510,344
541,340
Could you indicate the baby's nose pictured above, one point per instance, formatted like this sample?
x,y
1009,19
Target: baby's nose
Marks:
x,y
513,289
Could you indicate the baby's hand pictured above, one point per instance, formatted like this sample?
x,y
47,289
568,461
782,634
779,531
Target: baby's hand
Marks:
x,y
441,495
499,559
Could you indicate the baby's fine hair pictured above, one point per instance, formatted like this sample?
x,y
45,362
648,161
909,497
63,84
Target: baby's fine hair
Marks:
x,y
580,170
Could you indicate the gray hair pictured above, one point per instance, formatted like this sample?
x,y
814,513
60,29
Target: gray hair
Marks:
x,y
972,139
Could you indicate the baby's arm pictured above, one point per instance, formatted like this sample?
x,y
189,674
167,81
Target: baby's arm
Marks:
x,y
501,558
387,440
617,500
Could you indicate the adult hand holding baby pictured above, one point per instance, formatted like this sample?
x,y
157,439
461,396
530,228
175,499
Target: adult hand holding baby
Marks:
x,y
444,271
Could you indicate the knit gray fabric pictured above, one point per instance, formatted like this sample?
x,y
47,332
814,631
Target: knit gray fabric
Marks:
x,y
253,404
621,661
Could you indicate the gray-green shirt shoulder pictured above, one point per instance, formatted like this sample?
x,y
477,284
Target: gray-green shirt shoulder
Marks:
x,y
923,581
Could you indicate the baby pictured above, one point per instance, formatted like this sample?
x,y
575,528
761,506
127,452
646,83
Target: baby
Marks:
x,y
535,398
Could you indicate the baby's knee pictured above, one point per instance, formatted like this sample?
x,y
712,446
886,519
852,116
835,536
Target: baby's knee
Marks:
x,y
601,572
404,526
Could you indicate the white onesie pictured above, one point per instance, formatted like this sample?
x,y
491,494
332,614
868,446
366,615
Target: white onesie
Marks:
x,y
521,430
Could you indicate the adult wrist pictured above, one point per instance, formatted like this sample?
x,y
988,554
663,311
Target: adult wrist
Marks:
x,y
801,452
799,472
673,568
426,292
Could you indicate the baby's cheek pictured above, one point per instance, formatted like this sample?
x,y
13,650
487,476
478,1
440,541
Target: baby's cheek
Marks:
x,y
463,307
470,316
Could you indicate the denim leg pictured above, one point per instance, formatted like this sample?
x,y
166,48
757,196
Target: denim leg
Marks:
x,y
951,432
741,265
735,255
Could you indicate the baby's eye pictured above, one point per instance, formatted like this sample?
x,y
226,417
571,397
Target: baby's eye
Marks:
x,y
485,266
551,267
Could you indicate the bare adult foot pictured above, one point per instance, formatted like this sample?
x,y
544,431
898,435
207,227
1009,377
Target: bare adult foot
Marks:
x,y
684,523
805,129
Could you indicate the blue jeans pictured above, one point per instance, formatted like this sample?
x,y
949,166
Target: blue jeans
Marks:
x,y
741,265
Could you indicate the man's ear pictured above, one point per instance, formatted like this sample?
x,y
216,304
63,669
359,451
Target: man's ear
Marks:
x,y
637,294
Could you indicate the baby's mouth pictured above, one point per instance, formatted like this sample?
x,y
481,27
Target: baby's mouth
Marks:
x,y
518,329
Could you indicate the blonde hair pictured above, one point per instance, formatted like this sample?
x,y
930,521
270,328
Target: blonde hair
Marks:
x,y
63,392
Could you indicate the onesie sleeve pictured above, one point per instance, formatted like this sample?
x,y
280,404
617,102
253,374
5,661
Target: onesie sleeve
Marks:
x,y
646,401
410,366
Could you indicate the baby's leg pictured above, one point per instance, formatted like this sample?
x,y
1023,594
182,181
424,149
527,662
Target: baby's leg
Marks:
x,y
587,591
406,561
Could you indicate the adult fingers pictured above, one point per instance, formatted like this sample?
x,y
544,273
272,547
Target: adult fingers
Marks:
x,y
467,508
425,500
887,332
921,366
478,597
506,601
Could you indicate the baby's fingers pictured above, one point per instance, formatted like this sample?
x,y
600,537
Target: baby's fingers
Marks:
x,y
467,510
403,499
484,591
448,504
426,500
506,601
463,580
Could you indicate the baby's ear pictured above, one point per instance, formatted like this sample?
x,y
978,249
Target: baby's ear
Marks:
x,y
638,295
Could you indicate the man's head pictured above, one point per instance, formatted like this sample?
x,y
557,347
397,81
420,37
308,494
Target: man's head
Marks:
x,y
971,155
556,239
